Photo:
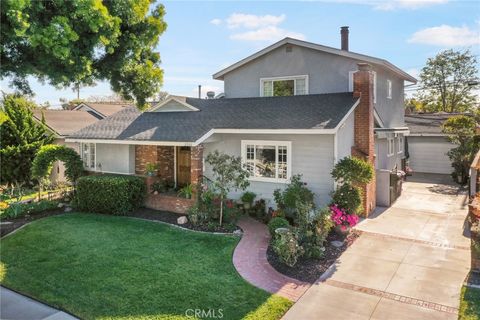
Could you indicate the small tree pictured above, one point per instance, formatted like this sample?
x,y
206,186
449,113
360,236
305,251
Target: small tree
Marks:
x,y
228,175
461,130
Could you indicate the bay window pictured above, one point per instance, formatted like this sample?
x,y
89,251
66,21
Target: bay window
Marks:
x,y
284,86
267,160
87,153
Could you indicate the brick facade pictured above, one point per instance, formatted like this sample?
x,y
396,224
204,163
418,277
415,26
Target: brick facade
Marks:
x,y
363,129
170,203
166,162
196,164
144,155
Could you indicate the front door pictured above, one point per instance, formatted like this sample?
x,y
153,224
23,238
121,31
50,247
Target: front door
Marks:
x,y
183,166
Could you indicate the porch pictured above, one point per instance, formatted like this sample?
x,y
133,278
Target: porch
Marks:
x,y
177,166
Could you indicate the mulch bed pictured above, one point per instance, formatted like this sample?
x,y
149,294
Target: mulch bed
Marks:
x,y
309,270
171,218
9,225
473,278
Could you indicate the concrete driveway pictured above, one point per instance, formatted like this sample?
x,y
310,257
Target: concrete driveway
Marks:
x,y
409,263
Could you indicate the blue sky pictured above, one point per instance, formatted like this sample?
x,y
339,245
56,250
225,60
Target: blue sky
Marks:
x,y
204,37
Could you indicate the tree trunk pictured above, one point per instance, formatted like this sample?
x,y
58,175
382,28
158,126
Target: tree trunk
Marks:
x,y
221,209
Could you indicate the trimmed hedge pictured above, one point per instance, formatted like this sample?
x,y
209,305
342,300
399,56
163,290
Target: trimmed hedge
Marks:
x,y
111,194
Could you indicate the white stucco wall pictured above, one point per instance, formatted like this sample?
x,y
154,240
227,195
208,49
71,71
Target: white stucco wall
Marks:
x,y
312,156
115,158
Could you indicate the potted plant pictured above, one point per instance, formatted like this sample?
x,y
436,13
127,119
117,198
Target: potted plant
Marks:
x,y
343,221
187,191
150,169
247,199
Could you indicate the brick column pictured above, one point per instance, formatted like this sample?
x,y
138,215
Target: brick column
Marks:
x,y
364,123
165,162
144,155
196,164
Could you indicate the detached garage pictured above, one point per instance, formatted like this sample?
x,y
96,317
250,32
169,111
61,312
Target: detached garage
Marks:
x,y
427,146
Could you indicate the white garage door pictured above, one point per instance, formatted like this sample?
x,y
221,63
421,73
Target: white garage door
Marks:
x,y
428,154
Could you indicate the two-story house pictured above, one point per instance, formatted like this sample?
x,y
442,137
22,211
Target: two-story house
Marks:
x,y
292,108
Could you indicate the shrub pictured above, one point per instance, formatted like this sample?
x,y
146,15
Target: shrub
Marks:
x,y
313,231
342,218
248,197
187,191
348,198
17,210
350,170
287,248
276,223
113,194
296,193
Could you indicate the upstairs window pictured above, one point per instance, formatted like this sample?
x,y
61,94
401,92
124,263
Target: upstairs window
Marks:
x,y
400,144
284,86
389,89
350,84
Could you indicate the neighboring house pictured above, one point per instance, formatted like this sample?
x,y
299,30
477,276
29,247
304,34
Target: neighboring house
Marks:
x,y
427,145
292,108
101,110
62,123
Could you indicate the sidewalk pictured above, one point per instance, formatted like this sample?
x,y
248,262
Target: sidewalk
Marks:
x,y
14,306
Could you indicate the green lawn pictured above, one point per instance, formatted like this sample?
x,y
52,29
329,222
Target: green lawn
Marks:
x,y
470,304
106,267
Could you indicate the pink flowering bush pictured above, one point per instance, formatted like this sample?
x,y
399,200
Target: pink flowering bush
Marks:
x,y
341,218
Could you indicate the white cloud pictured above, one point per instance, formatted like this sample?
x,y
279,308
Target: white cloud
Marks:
x,y
406,4
270,33
216,21
251,21
446,35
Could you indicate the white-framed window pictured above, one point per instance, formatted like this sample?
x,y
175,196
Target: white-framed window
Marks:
x,y
390,146
267,160
400,143
88,155
389,89
350,84
284,86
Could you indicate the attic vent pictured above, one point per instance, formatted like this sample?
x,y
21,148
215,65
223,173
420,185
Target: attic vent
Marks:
x,y
288,49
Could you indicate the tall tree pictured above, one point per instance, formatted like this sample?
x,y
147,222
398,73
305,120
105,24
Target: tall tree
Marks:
x,y
71,43
20,138
445,81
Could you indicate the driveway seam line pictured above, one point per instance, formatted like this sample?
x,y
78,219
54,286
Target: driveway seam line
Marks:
x,y
430,243
393,296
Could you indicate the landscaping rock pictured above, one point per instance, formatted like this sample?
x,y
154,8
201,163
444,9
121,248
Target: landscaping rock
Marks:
x,y
4,223
337,244
68,209
155,192
182,220
61,205
238,232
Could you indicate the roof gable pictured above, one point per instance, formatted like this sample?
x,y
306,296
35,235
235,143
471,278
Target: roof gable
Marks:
x,y
173,104
381,62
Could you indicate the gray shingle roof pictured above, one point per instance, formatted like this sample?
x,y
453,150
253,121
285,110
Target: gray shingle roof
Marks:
x,y
427,123
320,111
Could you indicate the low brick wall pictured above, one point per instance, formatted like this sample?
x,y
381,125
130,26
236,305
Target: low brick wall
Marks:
x,y
474,210
168,203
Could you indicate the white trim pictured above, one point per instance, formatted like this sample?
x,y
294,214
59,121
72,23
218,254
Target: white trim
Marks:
x,y
288,144
163,103
400,144
81,147
427,135
113,172
377,118
345,117
132,142
294,78
83,104
350,80
356,56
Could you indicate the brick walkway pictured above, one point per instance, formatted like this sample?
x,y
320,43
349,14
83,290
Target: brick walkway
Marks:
x,y
250,260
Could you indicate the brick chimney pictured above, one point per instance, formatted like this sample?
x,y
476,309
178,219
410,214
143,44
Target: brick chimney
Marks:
x,y
364,122
344,35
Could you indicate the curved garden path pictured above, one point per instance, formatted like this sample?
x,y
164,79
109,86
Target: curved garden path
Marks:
x,y
250,260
